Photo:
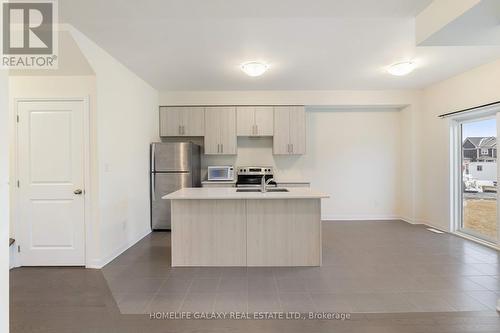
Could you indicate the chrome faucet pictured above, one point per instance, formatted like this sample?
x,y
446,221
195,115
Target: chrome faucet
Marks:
x,y
264,183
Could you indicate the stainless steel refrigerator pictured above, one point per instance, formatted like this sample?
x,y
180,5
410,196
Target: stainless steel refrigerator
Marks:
x,y
174,165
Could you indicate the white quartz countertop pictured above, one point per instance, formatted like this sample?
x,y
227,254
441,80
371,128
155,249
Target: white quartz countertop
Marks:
x,y
207,193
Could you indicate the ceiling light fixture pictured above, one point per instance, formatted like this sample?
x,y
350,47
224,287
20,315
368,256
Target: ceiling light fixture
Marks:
x,y
254,68
402,68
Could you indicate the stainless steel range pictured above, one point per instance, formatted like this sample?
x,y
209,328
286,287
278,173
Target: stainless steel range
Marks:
x,y
252,176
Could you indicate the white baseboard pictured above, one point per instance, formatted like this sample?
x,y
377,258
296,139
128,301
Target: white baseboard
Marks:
x,y
432,225
408,220
100,263
359,218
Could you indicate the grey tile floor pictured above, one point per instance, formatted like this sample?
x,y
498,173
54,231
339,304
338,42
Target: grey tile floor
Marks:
x,y
62,299
368,267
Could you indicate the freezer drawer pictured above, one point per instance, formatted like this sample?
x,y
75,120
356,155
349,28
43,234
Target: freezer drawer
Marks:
x,y
163,184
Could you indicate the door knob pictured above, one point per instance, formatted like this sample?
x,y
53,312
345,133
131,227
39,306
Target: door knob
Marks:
x,y
78,192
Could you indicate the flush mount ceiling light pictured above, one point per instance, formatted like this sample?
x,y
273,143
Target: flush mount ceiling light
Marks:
x,y
254,68
401,68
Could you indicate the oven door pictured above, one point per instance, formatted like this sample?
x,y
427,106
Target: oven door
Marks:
x,y
253,180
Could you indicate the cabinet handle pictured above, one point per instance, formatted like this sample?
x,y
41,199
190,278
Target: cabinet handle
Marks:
x,y
218,148
288,148
291,145
180,130
222,148
256,129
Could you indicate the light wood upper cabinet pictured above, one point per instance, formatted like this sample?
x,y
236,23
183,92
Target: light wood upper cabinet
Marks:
x,y
170,121
182,121
281,139
220,131
255,120
245,116
220,126
289,130
194,121
298,130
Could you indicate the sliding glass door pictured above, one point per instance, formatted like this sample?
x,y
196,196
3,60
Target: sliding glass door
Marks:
x,y
478,193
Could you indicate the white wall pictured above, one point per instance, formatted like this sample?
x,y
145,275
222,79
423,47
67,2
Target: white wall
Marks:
x,y
473,88
354,155
127,121
123,121
376,182
408,157
60,87
329,98
4,202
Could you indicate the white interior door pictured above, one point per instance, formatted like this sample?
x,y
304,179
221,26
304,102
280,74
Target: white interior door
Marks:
x,y
51,179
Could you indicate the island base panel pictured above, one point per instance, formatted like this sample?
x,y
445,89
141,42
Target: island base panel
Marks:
x,y
246,232
208,233
284,232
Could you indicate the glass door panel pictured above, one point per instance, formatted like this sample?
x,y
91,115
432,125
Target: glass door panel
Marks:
x,y
479,179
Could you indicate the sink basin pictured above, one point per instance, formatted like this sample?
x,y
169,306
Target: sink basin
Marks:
x,y
258,190
277,190
247,190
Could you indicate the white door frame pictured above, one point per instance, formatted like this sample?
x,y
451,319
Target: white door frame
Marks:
x,y
456,212
87,181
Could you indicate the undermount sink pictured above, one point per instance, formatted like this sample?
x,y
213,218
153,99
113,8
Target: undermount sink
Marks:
x,y
258,190
277,190
247,190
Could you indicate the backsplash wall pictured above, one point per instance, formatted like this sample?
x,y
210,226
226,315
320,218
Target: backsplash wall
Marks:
x,y
252,152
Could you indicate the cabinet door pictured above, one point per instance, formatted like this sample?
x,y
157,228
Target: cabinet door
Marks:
x,y
298,130
209,233
193,121
227,124
245,118
212,130
264,120
170,121
281,139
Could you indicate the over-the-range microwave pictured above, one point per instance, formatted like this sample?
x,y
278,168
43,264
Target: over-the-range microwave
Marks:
x,y
221,173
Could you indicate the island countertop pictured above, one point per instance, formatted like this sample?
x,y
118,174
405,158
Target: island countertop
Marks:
x,y
203,193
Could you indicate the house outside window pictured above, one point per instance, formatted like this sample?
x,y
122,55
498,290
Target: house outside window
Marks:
x,y
484,151
479,168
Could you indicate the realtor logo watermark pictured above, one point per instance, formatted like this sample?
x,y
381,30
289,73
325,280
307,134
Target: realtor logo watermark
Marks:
x,y
29,37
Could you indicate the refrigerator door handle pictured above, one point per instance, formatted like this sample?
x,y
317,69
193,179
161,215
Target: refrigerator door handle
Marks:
x,y
153,148
153,187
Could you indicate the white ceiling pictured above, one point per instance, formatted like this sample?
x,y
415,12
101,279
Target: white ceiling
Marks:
x,y
310,45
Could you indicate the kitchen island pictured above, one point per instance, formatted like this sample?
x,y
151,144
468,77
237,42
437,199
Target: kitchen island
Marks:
x,y
237,227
